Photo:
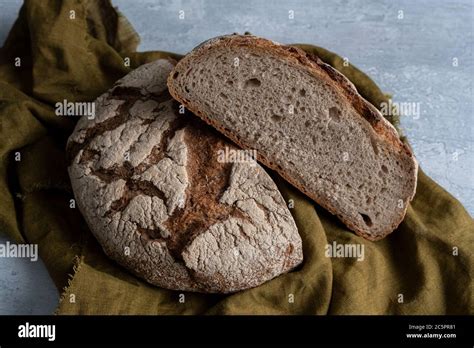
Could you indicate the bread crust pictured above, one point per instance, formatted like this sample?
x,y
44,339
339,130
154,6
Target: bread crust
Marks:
x,y
317,68
155,194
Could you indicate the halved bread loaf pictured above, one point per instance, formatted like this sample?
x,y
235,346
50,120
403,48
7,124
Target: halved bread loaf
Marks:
x,y
307,121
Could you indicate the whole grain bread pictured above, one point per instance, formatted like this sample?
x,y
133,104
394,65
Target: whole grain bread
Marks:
x,y
307,122
161,202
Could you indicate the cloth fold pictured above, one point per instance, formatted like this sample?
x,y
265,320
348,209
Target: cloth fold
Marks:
x,y
76,50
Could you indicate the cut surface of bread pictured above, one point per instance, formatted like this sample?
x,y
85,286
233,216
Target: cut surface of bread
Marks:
x,y
307,122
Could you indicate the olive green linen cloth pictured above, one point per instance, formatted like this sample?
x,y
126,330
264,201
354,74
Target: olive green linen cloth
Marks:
x,y
75,50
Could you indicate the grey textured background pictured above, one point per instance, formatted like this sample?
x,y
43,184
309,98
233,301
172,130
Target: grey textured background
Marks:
x,y
411,58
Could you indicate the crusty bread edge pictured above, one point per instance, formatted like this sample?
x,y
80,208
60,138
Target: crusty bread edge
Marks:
x,y
296,55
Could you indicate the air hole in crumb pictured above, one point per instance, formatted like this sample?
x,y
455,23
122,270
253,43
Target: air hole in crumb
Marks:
x,y
176,74
252,83
276,118
302,92
307,124
223,96
230,82
335,114
368,200
366,219
186,89
384,169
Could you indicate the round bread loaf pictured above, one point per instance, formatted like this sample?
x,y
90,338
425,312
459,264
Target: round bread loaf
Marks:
x,y
163,200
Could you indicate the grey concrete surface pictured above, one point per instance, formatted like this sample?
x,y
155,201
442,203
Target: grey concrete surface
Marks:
x,y
418,51
25,287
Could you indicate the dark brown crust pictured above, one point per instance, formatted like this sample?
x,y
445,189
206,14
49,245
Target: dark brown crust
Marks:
x,y
319,69
209,178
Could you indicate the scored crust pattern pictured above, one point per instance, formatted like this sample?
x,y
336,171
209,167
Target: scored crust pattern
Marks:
x,y
150,187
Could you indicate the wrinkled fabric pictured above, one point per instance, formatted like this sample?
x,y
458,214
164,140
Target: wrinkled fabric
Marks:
x,y
424,267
